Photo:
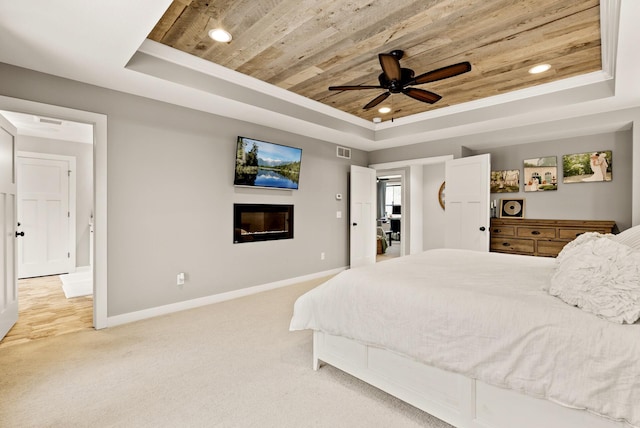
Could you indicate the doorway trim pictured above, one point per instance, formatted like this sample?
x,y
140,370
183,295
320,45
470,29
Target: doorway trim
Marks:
x,y
99,122
71,160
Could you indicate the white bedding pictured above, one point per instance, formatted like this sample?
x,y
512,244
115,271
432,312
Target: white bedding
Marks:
x,y
487,316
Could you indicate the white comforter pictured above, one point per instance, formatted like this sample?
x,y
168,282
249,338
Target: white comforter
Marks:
x,y
489,317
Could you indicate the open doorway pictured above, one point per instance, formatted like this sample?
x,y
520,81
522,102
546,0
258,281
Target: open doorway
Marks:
x,y
389,198
99,124
55,204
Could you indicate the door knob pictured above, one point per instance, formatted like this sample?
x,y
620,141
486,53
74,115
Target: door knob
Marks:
x,y
482,229
355,224
19,234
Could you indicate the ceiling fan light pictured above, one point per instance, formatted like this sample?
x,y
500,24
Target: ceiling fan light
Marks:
x,y
540,68
220,35
384,110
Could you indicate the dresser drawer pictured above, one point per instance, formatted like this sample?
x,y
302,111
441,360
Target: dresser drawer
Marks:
x,y
503,231
550,248
513,245
536,232
571,234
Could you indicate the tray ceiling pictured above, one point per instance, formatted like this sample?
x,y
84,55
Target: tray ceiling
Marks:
x,y
305,46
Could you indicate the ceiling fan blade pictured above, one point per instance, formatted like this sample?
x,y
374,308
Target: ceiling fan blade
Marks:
x,y
442,73
377,100
352,88
390,66
421,95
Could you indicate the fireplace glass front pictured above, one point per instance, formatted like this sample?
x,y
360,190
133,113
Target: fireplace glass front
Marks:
x,y
262,222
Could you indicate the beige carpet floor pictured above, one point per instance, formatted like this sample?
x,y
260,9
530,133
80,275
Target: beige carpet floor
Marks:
x,y
232,364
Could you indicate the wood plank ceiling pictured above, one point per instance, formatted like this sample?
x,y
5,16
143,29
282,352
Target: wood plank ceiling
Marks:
x,y
306,46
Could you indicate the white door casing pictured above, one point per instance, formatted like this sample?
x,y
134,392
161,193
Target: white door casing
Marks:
x,y
467,203
46,214
8,265
362,216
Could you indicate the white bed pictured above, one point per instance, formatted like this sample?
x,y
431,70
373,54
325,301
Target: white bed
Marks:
x,y
477,340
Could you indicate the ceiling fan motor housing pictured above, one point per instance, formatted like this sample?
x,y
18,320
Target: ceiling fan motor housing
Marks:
x,y
395,86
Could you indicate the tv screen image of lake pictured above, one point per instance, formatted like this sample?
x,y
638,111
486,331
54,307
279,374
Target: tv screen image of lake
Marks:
x,y
267,165
270,178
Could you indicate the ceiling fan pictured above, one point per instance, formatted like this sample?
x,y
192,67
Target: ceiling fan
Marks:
x,y
396,79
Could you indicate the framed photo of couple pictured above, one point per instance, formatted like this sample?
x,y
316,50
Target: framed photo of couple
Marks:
x,y
587,167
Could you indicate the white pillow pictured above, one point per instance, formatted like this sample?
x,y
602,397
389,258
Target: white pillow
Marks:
x,y
630,237
579,240
600,276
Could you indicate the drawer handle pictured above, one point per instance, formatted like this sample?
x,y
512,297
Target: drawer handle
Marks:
x,y
535,232
497,230
506,244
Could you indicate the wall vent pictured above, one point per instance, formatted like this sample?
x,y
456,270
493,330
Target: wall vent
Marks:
x,y
343,152
50,121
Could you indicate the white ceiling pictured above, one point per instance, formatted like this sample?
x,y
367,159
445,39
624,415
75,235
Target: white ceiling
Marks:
x,y
51,128
103,42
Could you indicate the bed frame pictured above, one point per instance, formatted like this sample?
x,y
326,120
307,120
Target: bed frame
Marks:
x,y
454,398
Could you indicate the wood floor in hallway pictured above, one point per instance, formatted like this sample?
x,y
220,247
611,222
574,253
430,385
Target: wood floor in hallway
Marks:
x,y
44,311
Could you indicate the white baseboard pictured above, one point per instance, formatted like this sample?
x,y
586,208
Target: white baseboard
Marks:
x,y
216,298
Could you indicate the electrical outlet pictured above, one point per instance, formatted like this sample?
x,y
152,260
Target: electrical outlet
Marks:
x,y
180,279
321,256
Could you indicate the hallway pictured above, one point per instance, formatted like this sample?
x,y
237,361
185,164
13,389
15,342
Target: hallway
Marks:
x,y
44,311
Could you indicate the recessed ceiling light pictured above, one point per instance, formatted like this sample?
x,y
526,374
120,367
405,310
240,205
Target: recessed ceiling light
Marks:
x,y
377,120
220,35
384,110
541,68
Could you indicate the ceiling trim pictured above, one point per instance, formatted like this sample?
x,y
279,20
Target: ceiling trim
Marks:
x,y
185,60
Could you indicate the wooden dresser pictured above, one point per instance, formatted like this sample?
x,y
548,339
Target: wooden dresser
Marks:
x,y
540,237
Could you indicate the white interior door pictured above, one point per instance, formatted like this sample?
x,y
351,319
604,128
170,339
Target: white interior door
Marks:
x,y
44,216
362,216
467,203
8,190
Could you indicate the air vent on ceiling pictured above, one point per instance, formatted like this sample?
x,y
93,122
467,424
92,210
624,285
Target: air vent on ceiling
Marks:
x,y
343,152
50,121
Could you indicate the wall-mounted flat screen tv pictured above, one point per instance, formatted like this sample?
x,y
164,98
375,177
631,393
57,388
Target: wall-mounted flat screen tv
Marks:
x,y
264,164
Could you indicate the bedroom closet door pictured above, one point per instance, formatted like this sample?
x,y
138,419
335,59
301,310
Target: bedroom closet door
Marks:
x,y
362,242
467,203
8,251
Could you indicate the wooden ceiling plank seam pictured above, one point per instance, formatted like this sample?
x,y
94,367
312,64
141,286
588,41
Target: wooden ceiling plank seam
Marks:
x,y
317,36
183,24
167,20
267,32
241,20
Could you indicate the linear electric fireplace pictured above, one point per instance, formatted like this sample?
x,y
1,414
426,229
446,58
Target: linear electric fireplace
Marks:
x,y
262,222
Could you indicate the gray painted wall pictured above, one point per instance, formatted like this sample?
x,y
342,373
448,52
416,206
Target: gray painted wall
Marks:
x,y
434,221
576,201
170,197
84,183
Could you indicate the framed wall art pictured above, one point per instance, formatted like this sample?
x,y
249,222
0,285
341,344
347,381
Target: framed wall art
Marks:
x,y
541,174
506,181
511,208
587,167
